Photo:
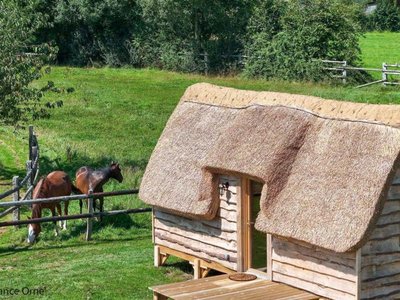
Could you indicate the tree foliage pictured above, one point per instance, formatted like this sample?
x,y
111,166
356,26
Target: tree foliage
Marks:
x,y
168,33
386,17
21,63
288,39
281,38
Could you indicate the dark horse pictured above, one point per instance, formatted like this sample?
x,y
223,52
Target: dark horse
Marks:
x,y
88,179
55,184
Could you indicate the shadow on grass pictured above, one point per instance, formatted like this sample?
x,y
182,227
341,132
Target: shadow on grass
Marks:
x,y
187,268
183,265
19,249
7,173
77,229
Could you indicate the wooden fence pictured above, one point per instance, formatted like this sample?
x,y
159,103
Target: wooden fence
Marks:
x,y
30,179
340,70
89,216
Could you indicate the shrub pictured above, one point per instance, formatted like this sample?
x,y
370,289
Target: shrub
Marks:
x,y
386,17
300,35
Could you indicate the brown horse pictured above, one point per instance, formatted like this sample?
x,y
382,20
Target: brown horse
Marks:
x,y
88,179
55,184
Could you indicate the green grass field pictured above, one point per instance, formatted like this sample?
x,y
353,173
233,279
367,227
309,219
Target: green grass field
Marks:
x,y
114,114
380,47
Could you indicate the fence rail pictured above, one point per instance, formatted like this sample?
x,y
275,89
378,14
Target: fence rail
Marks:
x,y
68,198
341,68
74,217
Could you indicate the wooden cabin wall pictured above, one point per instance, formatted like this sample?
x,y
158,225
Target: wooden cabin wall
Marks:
x,y
214,240
380,264
322,272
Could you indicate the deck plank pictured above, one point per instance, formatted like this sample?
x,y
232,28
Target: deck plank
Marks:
x,y
222,288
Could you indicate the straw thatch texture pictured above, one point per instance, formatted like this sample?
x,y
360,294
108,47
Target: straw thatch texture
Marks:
x,y
324,178
228,97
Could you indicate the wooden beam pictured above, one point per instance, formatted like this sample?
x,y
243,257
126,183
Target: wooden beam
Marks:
x,y
157,296
74,217
358,274
164,258
196,269
157,258
61,198
269,256
243,242
204,272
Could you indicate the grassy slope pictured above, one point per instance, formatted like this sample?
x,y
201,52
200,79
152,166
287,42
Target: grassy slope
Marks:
x,y
113,114
11,156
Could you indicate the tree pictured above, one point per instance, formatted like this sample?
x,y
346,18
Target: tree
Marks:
x,y
185,30
308,31
385,17
21,63
88,31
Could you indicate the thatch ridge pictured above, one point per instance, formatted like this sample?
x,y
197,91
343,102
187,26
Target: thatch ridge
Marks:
x,y
325,177
206,93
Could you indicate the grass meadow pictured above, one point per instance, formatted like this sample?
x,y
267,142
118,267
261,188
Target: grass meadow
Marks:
x,y
380,47
114,114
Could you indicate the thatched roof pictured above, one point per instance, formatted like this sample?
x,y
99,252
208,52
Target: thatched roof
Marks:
x,y
325,164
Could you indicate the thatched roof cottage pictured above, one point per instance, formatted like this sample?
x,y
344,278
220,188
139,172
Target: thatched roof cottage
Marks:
x,y
301,188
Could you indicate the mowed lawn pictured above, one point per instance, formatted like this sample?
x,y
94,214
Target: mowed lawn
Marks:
x,y
113,114
380,47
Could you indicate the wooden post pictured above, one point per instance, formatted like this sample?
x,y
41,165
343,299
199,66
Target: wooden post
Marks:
x,y
89,220
269,256
153,236
157,256
344,72
157,296
206,63
30,142
29,182
358,274
197,269
240,260
16,213
384,75
35,168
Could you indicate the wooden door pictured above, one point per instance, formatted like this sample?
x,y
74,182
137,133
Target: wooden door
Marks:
x,y
252,243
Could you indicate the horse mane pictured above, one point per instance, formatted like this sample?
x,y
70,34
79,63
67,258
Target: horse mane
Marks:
x,y
36,211
38,191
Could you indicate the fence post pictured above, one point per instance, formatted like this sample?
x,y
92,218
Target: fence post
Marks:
x,y
384,75
29,181
344,72
206,63
89,224
16,212
30,142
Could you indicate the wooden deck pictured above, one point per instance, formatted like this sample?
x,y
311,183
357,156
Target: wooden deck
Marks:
x,y
221,287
